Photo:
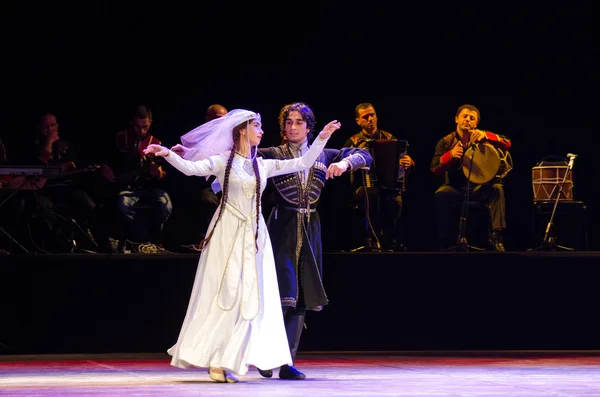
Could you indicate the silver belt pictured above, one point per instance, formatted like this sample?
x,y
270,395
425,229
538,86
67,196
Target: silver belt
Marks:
x,y
301,210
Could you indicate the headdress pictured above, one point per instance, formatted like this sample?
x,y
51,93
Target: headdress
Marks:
x,y
214,137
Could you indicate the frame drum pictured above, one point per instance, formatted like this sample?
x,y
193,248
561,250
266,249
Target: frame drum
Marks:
x,y
546,181
488,163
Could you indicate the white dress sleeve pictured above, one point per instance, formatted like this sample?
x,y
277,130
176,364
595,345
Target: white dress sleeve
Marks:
x,y
281,167
207,167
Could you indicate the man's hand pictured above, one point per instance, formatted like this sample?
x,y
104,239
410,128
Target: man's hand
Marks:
x,y
405,161
337,169
107,173
329,129
476,136
457,151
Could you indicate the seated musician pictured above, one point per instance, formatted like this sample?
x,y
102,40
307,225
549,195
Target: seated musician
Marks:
x,y
385,205
63,195
447,161
143,206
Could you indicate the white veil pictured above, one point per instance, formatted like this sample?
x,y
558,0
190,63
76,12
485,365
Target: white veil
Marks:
x,y
214,137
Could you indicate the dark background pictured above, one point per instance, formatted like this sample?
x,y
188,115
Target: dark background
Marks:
x,y
530,69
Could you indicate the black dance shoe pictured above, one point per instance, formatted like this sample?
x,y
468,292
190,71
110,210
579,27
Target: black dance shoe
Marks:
x,y
265,373
290,373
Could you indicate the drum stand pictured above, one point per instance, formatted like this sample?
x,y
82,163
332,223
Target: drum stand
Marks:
x,y
549,241
462,245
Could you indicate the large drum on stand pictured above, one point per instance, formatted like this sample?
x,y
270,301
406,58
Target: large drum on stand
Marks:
x,y
547,177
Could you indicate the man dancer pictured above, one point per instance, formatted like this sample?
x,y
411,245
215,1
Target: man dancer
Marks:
x,y
294,224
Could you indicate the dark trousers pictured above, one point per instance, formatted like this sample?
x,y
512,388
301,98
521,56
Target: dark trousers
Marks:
x,y
446,196
144,213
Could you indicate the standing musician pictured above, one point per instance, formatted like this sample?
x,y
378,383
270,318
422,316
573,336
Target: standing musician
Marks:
x,y
385,203
142,204
447,162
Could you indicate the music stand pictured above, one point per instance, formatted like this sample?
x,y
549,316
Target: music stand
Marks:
x,y
388,175
549,240
462,245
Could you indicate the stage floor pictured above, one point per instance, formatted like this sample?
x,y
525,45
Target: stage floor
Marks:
x,y
507,374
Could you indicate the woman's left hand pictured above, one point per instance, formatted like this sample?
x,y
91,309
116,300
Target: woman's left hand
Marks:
x,y
157,150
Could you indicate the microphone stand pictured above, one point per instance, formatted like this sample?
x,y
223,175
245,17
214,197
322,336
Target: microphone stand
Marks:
x,y
462,245
549,241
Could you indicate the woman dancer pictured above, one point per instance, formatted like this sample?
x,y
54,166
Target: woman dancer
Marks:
x,y
234,317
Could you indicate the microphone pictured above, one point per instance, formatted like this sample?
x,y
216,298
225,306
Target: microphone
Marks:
x,y
571,157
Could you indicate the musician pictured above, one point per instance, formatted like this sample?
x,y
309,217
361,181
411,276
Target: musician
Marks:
x,y
214,111
447,162
62,198
385,205
143,206
209,200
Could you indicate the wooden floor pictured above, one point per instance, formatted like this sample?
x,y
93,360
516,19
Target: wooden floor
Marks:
x,y
506,374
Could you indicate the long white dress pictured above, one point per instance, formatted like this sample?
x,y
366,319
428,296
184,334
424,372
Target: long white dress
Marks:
x,y
234,317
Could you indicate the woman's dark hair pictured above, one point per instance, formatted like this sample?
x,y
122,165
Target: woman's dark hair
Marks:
x,y
236,146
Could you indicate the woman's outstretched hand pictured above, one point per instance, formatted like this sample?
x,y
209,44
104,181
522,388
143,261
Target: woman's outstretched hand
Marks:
x,y
157,150
181,150
329,129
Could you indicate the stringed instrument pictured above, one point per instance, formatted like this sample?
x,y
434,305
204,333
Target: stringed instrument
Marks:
x,y
150,169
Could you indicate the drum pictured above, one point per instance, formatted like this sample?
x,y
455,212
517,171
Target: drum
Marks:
x,y
547,178
484,163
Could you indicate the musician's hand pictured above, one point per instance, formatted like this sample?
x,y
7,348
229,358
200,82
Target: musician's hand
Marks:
x,y
181,150
329,129
476,136
457,151
107,173
157,150
406,161
60,147
337,169
154,169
